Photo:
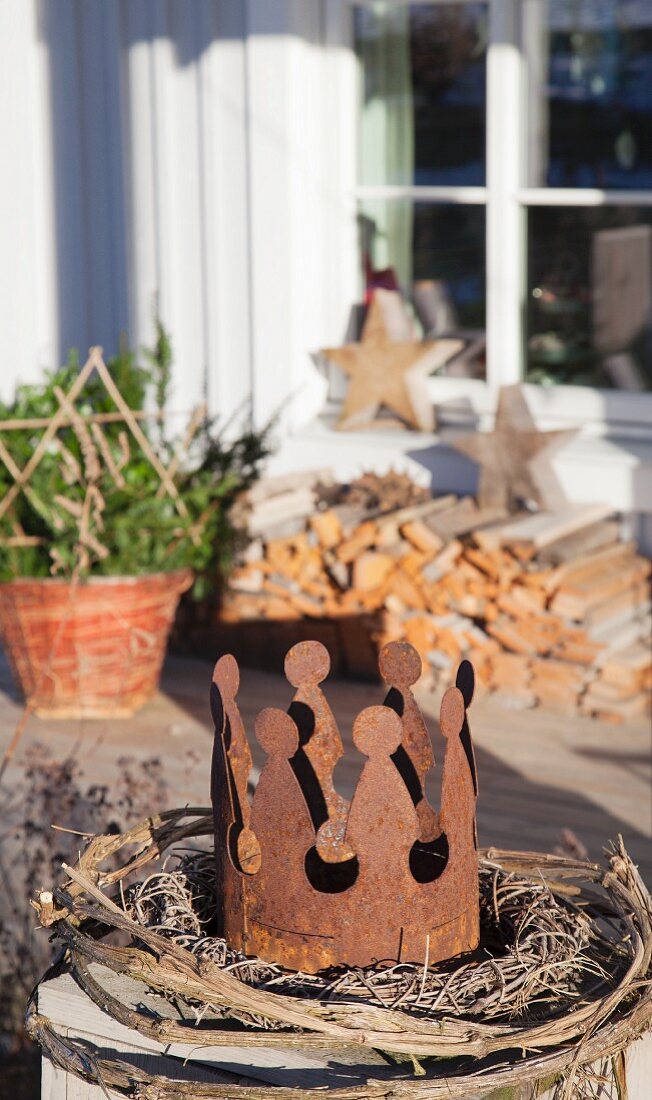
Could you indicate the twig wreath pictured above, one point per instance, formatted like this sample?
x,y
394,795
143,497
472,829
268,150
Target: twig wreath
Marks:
x,y
562,975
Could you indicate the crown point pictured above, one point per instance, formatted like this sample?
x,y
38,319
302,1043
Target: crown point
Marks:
x,y
377,731
276,733
307,663
399,664
452,712
465,681
226,675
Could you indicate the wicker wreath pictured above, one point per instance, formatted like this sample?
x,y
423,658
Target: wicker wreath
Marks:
x,y
565,980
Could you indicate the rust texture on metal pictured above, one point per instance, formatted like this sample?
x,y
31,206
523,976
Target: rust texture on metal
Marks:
x,y
307,880
287,920
382,828
307,664
225,808
400,667
452,897
242,845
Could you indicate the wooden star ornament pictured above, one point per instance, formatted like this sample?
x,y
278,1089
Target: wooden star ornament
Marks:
x,y
389,369
514,458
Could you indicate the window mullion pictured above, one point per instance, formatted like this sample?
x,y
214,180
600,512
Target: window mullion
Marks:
x,y
423,193
582,196
506,225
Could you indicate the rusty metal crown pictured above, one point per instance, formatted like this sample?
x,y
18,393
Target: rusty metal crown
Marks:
x,y
306,879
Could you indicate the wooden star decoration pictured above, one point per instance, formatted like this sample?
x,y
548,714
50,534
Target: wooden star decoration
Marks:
x,y
390,373
514,459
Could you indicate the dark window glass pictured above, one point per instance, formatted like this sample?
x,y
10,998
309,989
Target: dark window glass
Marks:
x,y
435,254
590,296
423,76
591,96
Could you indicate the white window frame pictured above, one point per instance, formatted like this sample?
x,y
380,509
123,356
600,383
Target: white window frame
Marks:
x,y
506,200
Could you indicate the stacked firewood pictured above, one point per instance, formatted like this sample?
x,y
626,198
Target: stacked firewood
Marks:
x,y
552,608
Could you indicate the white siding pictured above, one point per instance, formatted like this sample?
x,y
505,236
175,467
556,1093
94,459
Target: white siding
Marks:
x,y
179,153
28,305
124,183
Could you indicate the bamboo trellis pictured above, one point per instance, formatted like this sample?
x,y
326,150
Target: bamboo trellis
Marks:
x,y
98,460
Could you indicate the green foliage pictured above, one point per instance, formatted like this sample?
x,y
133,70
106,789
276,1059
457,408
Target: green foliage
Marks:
x,y
141,528
160,359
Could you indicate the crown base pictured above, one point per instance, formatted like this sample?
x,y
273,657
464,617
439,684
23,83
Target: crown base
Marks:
x,y
314,951
458,936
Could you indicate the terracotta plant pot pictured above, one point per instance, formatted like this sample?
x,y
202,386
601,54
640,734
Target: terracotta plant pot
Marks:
x,y
90,650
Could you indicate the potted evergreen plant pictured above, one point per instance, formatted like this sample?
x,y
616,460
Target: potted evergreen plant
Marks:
x,y
105,519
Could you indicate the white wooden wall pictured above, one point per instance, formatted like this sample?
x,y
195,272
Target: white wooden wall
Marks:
x,y
164,148
202,152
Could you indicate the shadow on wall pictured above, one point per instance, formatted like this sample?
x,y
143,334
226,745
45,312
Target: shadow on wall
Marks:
x,y
85,98
450,471
103,59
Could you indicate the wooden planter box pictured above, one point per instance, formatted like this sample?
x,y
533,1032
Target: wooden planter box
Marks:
x,y
351,640
92,650
74,1016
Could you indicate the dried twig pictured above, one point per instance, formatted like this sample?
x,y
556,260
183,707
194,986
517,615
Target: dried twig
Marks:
x,y
564,981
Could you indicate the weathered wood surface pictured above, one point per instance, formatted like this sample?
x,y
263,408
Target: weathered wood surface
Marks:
x,y
73,1015
541,529
67,1006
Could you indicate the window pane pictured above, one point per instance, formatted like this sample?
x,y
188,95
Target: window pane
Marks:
x,y
590,105
436,255
423,76
590,296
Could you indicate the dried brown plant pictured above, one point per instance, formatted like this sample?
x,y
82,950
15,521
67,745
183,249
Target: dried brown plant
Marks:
x,y
48,813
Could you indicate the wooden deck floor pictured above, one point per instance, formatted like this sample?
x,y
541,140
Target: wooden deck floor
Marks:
x,y
539,772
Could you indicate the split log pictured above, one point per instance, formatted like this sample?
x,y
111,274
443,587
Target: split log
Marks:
x,y
551,608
